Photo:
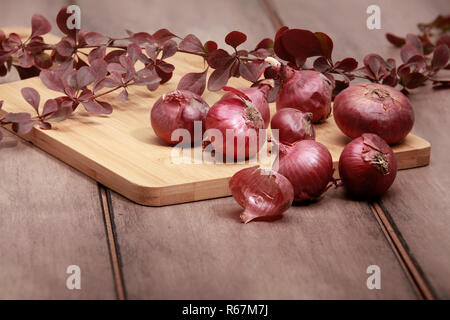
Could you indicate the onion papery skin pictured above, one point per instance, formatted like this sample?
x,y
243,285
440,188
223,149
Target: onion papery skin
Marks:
x,y
293,125
308,165
243,121
264,195
367,166
258,95
307,91
177,110
374,108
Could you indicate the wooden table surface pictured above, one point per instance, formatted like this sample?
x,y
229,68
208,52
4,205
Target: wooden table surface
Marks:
x,y
52,216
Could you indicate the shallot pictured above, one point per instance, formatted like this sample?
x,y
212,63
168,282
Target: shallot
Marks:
x,y
264,195
367,166
374,108
305,90
234,126
178,109
292,125
308,165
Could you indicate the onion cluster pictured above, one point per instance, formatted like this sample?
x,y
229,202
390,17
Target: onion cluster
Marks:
x,y
375,115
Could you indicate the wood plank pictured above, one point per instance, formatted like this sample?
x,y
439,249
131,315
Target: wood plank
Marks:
x,y
18,14
201,250
206,20
418,204
50,214
50,218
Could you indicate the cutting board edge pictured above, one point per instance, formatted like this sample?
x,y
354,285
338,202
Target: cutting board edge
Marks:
x,y
171,194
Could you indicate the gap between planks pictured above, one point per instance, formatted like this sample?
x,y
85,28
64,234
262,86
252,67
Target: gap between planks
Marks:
x,y
398,245
111,237
400,248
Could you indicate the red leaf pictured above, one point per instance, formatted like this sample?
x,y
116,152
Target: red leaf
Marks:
x,y
61,21
219,78
97,53
39,25
12,42
99,69
162,35
52,80
165,67
326,44
114,56
123,96
218,59
301,43
321,64
32,97
107,108
64,48
23,127
26,60
93,107
164,71
396,41
116,67
444,39
84,77
408,51
251,71
50,106
413,80
18,117
134,51
235,38
3,70
169,49
86,95
346,65
192,44
194,82
415,41
43,60
210,46
440,57
142,38
95,39
62,114
45,125
266,43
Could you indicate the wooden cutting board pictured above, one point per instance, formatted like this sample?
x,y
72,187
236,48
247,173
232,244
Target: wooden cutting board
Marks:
x,y
122,152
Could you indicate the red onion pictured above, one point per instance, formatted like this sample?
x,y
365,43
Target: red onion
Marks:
x,y
177,110
240,118
374,108
264,195
367,166
293,125
258,95
305,90
308,166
